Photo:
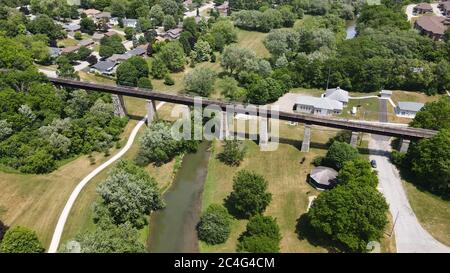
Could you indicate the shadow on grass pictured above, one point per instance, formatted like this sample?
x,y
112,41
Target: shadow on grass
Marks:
x,y
228,203
306,232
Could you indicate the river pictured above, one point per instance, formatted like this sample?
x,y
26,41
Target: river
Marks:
x,y
350,28
173,228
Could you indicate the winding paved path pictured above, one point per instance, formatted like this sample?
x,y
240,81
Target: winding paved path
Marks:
x,y
410,236
73,196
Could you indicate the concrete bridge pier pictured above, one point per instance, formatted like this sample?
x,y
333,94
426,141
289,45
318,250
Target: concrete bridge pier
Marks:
x,y
306,138
354,139
151,111
404,145
119,105
263,132
224,130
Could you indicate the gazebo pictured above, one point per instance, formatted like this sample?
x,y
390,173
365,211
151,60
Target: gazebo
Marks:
x,y
323,178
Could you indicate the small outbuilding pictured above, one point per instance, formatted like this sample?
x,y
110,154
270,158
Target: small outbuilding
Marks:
x,y
323,178
408,109
423,8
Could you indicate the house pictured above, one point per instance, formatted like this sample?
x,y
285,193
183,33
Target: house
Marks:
x,y
101,15
104,67
130,23
54,52
119,58
114,21
110,33
432,26
97,36
86,42
318,106
323,178
223,9
422,8
173,34
445,8
71,27
337,94
385,94
91,12
138,51
187,4
408,109
70,49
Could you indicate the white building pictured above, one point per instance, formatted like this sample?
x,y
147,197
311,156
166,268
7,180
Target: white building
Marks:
x,y
407,109
337,94
130,23
317,106
385,94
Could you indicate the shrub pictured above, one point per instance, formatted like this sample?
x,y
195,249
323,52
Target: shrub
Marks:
x,y
397,158
21,240
261,236
168,80
233,152
215,225
249,196
317,161
339,153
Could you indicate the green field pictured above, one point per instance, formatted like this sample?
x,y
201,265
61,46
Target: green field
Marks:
x,y
432,211
287,183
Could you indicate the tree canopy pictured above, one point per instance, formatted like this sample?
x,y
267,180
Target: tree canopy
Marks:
x,y
20,240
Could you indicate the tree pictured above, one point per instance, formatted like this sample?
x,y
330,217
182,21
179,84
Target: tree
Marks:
x,y
78,35
45,25
202,51
226,29
170,7
169,22
358,171
281,42
127,74
129,194
158,68
249,196
83,53
186,40
65,68
145,83
173,55
351,215
200,81
111,239
339,153
261,236
20,240
111,45
157,145
233,152
429,162
156,15
265,91
5,129
129,33
168,80
190,25
230,89
215,225
87,25
434,115
235,58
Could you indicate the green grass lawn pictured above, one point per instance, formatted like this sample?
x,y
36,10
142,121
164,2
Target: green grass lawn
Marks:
x,y
253,40
432,211
67,42
368,109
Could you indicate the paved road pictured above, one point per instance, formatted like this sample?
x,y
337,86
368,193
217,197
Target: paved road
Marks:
x,y
383,114
193,13
410,236
73,196
409,11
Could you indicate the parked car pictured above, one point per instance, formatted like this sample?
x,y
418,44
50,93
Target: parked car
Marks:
x,y
373,163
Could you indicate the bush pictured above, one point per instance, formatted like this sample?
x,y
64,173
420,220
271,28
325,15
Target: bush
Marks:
x,y
317,161
261,236
145,83
168,80
397,158
249,196
351,216
78,35
21,240
3,229
339,153
233,152
343,136
215,225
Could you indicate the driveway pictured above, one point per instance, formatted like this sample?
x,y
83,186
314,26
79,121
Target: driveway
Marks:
x,y
193,13
409,11
383,114
410,236
81,66
436,10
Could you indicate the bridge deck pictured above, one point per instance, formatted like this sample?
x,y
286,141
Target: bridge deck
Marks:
x,y
379,129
